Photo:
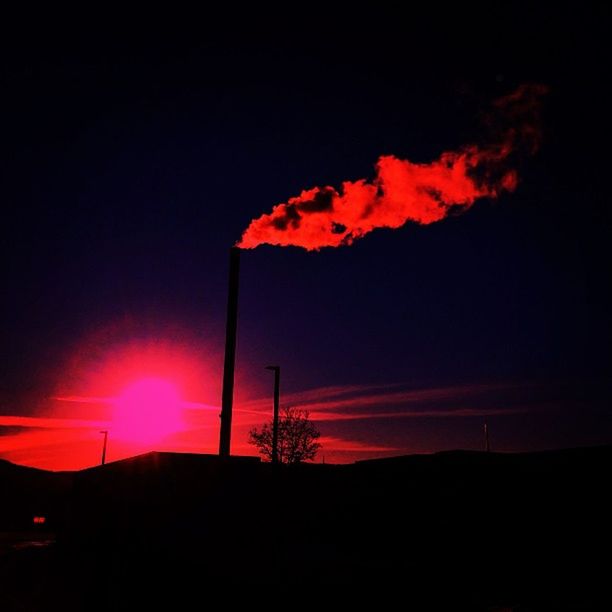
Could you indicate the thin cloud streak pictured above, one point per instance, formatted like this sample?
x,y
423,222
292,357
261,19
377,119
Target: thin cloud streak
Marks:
x,y
416,414
52,440
334,444
310,395
330,403
50,423
364,395
82,399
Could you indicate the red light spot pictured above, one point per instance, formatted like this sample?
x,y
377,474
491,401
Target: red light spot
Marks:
x,y
40,520
147,411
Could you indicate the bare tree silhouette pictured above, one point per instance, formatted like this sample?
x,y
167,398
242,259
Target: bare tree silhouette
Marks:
x,y
297,437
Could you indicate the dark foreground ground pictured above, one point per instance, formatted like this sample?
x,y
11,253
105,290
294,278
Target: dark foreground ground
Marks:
x,y
451,531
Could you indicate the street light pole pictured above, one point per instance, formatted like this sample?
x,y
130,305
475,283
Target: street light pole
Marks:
x,y
276,370
104,446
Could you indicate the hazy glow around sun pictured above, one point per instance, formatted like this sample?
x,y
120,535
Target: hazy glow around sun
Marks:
x,y
147,411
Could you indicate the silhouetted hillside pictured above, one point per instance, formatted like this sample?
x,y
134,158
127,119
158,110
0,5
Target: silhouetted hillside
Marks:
x,y
525,531
27,492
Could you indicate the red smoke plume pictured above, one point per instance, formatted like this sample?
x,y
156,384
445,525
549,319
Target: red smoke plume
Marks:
x,y
404,191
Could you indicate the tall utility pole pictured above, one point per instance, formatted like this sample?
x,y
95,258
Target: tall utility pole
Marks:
x,y
104,446
276,370
227,400
486,437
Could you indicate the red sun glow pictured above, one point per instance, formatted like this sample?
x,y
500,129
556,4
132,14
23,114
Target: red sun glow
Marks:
x,y
147,411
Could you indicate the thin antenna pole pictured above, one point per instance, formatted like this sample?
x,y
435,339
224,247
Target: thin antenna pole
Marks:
x,y
276,370
486,436
104,446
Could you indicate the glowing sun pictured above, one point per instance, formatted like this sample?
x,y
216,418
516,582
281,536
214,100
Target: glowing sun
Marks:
x,y
147,411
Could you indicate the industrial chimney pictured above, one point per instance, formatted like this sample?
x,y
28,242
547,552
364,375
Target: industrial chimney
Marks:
x,y
227,399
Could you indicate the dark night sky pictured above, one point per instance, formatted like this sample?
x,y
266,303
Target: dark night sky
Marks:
x,y
132,160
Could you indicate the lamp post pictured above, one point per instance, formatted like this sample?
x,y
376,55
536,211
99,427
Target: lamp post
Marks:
x,y
276,370
105,432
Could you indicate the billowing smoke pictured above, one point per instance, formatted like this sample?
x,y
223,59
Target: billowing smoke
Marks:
x,y
404,191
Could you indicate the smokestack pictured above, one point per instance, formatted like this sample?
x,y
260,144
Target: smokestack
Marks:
x,y
231,326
